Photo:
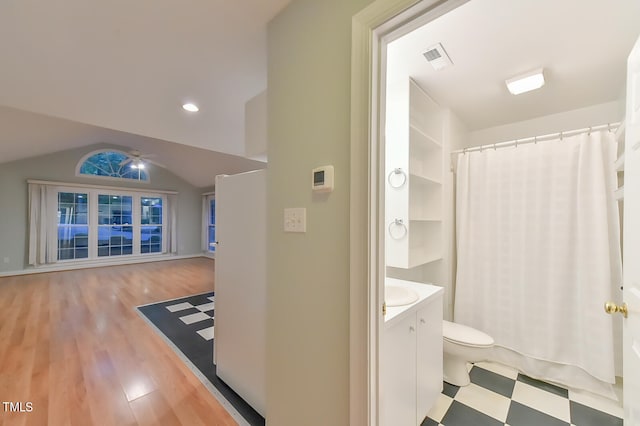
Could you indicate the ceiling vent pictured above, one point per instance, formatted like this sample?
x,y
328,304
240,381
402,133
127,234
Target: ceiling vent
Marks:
x,y
437,57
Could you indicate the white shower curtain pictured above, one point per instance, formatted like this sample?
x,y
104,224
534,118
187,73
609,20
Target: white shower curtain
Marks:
x,y
538,242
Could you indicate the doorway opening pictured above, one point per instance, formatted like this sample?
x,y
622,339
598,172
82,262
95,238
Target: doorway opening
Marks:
x,y
482,128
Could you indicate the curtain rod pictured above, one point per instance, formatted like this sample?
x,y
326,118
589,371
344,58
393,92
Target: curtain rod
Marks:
x,y
515,142
110,188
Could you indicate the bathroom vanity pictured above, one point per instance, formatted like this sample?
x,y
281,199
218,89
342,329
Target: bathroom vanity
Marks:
x,y
410,352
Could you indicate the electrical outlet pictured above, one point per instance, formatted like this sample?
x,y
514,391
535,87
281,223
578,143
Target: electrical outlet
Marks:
x,y
295,220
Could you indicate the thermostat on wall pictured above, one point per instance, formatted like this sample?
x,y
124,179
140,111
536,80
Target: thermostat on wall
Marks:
x,y
322,179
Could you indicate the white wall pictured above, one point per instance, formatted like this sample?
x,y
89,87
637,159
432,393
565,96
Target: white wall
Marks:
x,y
610,112
309,125
255,127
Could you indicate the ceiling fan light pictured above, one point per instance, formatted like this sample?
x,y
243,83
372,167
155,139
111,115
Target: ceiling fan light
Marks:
x,y
191,107
526,82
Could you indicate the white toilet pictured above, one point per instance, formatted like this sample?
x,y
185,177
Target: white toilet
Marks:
x,y
462,344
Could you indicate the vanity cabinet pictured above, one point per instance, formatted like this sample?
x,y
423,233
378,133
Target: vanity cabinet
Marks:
x,y
399,373
411,360
429,357
414,168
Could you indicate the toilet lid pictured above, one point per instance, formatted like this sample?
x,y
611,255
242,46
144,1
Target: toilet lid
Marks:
x,y
465,335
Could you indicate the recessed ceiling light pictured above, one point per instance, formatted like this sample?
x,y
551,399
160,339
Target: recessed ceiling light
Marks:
x,y
526,82
191,107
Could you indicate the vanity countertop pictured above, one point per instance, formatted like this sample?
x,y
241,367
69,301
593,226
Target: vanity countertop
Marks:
x,y
426,294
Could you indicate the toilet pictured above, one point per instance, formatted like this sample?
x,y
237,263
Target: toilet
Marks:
x,y
462,344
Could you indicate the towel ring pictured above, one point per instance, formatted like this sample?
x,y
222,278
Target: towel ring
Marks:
x,y
395,172
398,223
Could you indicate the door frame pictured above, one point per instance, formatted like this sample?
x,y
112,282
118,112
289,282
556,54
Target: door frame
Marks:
x,y
372,29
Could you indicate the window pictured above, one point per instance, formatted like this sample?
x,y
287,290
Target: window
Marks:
x,y
208,237
151,231
77,223
73,229
212,223
115,220
112,164
98,223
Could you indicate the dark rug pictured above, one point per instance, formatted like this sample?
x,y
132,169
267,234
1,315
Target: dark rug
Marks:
x,y
188,325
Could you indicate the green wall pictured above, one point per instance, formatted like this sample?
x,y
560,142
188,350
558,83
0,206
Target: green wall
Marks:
x,y
309,56
60,167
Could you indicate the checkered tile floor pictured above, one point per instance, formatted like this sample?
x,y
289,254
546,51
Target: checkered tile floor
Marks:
x,y
499,395
196,314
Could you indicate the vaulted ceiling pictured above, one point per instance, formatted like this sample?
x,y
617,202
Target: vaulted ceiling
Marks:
x,y
129,66
77,72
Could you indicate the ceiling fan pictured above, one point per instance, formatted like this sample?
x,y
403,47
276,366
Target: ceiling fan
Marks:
x,y
138,160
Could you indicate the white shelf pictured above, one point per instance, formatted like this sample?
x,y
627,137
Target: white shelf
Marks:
x,y
423,137
619,193
425,242
425,199
425,159
425,219
424,113
429,180
420,201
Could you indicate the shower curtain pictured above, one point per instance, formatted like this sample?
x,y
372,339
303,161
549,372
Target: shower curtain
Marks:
x,y
538,241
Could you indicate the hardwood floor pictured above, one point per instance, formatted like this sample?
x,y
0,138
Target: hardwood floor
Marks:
x,y
73,345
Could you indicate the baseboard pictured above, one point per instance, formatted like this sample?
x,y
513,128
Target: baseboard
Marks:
x,y
97,264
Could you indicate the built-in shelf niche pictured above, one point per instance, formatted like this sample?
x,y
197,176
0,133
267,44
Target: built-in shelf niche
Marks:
x,y
425,199
417,150
425,244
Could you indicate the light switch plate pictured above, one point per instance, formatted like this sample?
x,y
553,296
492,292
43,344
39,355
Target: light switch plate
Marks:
x,y
295,219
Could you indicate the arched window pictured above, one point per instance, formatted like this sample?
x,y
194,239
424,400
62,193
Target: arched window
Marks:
x,y
113,164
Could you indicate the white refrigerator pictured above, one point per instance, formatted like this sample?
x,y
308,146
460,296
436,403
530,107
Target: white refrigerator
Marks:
x,y
240,285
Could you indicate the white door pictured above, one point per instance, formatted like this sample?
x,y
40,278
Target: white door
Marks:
x,y
631,327
240,285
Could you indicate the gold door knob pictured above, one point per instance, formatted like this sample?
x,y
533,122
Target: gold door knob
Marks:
x,y
612,308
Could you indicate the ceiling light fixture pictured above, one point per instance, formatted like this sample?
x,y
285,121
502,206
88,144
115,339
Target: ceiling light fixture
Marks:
x,y
191,107
531,80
